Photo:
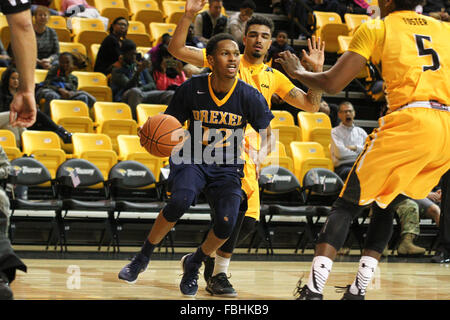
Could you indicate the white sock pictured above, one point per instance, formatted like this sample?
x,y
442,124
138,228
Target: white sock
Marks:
x,y
320,270
367,267
221,265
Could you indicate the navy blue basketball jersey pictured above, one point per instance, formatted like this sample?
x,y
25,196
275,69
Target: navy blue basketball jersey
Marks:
x,y
217,123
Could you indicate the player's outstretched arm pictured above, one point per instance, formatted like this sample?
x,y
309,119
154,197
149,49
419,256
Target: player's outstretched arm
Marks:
x,y
331,81
268,143
23,42
177,46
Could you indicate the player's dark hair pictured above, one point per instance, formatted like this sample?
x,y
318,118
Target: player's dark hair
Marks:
x,y
260,20
211,46
248,4
406,4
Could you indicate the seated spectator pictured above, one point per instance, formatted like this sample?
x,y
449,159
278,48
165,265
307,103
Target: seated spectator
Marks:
x,y
169,73
5,59
109,50
47,40
9,87
347,141
154,52
238,21
279,45
60,83
131,81
80,8
438,9
210,22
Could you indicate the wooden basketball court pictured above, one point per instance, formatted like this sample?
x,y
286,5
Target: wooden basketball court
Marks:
x,y
64,279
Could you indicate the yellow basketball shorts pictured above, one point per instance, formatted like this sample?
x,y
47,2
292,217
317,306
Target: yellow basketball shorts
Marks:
x,y
407,154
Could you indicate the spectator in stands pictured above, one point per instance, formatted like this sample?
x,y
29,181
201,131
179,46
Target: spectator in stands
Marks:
x,y
5,59
238,21
80,8
131,81
438,9
154,52
109,50
210,22
60,83
279,45
170,74
47,39
193,40
298,12
347,141
9,87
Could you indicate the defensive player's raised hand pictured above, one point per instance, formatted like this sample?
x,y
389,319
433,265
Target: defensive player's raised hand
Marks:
x,y
194,6
316,54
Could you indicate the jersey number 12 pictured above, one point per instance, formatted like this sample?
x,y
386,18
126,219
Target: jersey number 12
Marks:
x,y
427,52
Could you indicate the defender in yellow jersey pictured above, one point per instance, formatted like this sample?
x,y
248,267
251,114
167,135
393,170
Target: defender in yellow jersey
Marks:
x,y
408,153
257,40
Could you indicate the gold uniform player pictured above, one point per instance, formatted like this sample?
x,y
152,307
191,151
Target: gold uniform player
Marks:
x,y
252,70
408,153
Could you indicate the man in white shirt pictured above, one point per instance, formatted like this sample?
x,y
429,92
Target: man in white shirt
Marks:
x,y
238,21
347,140
210,22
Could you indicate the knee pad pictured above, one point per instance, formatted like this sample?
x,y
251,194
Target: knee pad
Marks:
x,y
380,229
336,227
226,215
179,203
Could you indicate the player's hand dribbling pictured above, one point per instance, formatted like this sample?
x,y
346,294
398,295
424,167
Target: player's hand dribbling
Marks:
x,y
194,6
23,110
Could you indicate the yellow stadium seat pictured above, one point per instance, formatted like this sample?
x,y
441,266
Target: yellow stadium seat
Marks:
x,y
316,127
173,10
143,111
282,117
2,69
94,51
113,119
96,83
5,35
138,33
130,149
95,148
73,115
88,31
287,133
72,47
206,8
8,142
158,29
279,157
111,9
45,146
308,155
59,24
328,27
146,11
56,4
40,75
344,42
353,21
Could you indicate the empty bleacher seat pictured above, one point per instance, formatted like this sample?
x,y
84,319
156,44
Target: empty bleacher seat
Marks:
x,y
73,115
146,11
328,27
316,127
111,9
173,10
88,31
95,83
138,33
308,155
9,144
158,29
113,119
353,21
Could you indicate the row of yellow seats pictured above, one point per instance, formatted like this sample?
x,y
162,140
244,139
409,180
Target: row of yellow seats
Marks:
x,y
329,27
97,148
303,157
312,127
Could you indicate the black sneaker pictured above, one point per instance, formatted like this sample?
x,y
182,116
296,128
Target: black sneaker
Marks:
x,y
220,286
188,284
130,272
348,295
442,257
5,290
209,268
303,293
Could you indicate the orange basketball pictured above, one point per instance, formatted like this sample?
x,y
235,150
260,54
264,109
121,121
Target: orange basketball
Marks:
x,y
160,134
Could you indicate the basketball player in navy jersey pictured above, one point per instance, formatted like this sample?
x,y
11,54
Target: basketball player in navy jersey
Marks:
x,y
218,107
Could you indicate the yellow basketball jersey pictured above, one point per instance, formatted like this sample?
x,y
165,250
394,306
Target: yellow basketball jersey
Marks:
x,y
416,59
414,53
